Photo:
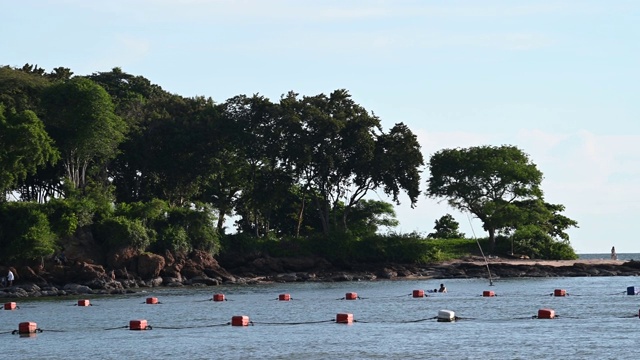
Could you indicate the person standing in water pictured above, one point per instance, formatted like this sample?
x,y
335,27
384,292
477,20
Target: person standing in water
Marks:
x,y
442,289
614,256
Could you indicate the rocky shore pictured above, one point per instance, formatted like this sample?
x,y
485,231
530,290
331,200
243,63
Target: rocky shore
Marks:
x,y
131,272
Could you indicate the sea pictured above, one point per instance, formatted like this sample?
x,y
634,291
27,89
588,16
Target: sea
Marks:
x,y
595,320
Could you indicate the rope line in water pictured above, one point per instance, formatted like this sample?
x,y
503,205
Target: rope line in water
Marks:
x,y
292,323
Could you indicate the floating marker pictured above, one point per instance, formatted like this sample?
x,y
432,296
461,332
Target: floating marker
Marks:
x,y
418,293
559,292
351,296
28,327
84,302
152,300
344,318
446,316
546,314
633,290
138,325
10,306
284,297
240,321
218,297
488,293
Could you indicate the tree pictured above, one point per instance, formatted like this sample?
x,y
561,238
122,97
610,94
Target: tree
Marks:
x,y
343,154
446,228
80,117
25,233
485,181
25,147
543,216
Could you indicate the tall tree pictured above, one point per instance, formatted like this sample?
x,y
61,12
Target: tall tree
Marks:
x,y
25,147
484,181
80,117
346,154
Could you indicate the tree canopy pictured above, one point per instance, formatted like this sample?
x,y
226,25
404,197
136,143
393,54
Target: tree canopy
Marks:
x,y
494,183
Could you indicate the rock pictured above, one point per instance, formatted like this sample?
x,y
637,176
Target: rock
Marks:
x,y
204,280
169,279
85,272
150,265
155,282
29,287
387,274
124,258
286,278
221,274
342,277
77,289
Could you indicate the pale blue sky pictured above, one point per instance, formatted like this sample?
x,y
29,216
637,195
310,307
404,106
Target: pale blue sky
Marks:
x,y
558,79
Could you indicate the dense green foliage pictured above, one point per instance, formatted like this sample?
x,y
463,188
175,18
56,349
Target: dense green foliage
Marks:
x,y
116,157
501,187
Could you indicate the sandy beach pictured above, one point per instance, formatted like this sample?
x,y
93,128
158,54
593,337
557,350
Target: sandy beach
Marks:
x,y
478,260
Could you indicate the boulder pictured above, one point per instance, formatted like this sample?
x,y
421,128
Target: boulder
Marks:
x,y
204,280
124,258
77,289
86,272
155,282
150,265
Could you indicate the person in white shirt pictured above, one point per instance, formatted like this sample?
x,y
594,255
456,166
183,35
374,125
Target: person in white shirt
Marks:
x,y
10,278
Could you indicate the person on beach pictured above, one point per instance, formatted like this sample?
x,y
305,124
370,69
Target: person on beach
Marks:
x,y
614,256
442,289
10,278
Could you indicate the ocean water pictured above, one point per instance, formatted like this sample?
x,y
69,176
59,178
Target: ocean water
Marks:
x,y
595,320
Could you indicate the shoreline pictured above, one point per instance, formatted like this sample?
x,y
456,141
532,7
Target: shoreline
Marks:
x,y
469,267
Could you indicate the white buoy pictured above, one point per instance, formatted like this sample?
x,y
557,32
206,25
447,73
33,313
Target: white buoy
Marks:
x,y
446,316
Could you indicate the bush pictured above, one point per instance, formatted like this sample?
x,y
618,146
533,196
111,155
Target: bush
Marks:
x,y
25,233
118,232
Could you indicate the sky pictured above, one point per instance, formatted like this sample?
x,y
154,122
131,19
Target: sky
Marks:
x,y
558,79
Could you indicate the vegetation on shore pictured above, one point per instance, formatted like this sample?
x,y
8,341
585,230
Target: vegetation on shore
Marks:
x,y
115,158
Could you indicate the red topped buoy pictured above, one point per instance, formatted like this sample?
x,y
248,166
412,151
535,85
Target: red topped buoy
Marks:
x,y
138,325
28,327
488,293
218,297
240,321
284,297
344,318
84,302
418,293
152,300
351,296
559,292
546,314
10,306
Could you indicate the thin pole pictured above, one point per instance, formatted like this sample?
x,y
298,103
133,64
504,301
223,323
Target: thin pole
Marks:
x,y
481,252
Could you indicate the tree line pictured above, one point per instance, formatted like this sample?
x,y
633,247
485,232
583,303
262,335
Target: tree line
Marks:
x,y
115,156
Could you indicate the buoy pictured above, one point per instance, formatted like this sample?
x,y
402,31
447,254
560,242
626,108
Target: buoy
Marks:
x,y
28,327
10,306
351,296
418,293
152,300
138,325
559,292
446,316
546,314
632,290
344,318
488,293
84,302
284,297
218,297
240,321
